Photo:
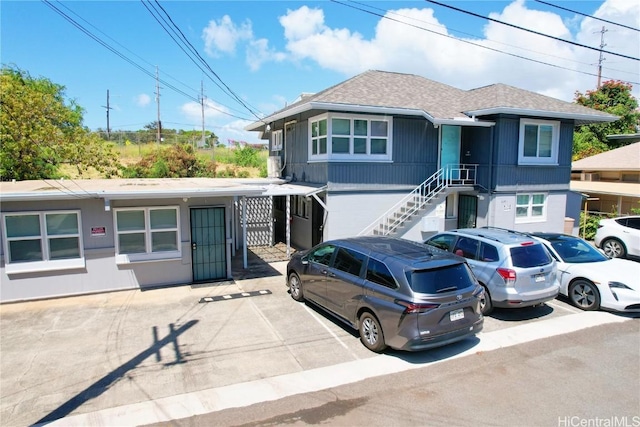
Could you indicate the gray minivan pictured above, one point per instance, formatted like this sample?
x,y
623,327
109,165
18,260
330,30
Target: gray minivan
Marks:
x,y
397,293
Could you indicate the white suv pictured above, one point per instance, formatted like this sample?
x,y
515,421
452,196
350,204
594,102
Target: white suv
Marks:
x,y
515,269
619,237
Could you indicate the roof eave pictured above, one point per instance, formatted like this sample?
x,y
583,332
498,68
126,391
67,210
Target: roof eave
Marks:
x,y
129,195
578,117
354,108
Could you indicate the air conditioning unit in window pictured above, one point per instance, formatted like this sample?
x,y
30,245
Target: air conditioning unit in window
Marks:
x,y
274,165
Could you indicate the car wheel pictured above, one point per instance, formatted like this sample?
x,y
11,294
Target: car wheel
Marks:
x,y
584,294
614,248
371,332
295,287
486,306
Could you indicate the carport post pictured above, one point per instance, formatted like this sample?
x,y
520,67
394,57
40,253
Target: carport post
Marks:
x,y
244,231
288,225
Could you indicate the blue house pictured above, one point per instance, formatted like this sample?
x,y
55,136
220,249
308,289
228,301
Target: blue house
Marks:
x,y
399,154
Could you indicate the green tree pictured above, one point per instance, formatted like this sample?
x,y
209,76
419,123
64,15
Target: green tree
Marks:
x,y
40,131
613,97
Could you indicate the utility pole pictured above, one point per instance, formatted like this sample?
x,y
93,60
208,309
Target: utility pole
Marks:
x,y
601,59
202,104
108,108
159,125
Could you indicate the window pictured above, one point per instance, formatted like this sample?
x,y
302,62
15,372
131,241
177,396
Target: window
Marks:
x,y
349,261
350,138
443,241
300,206
276,140
530,207
146,234
466,247
318,137
488,253
41,241
378,273
451,206
538,143
322,255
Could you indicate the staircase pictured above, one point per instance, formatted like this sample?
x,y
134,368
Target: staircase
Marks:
x,y
413,203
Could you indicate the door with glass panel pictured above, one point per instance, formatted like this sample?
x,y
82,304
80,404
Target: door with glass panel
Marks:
x,y
450,150
208,244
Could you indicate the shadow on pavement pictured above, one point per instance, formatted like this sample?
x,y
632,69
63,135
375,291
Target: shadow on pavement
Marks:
x,y
525,313
103,384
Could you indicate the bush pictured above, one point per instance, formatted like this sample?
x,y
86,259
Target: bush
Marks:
x,y
175,161
247,156
588,231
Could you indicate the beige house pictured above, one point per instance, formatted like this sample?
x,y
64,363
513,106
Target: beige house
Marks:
x,y
610,180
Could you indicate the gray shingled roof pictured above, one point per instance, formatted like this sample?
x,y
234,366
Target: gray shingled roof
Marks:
x,y
386,90
623,158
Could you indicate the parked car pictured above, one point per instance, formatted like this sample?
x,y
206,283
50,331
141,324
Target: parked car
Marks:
x,y
396,293
619,237
591,280
514,269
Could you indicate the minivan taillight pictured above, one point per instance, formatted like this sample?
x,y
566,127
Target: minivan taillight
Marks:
x,y
412,307
508,275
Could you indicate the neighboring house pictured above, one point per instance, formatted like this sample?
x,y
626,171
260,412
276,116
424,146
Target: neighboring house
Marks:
x,y
610,181
69,237
399,154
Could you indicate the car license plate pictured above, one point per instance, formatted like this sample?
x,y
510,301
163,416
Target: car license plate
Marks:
x,y
456,315
539,278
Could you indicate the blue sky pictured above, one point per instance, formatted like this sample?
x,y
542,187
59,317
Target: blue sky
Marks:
x,y
269,52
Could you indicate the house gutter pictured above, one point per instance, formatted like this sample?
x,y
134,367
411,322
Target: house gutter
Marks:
x,y
586,118
389,111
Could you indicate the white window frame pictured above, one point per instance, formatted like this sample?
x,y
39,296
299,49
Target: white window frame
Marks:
x,y
530,217
451,206
148,255
46,264
351,156
276,140
555,142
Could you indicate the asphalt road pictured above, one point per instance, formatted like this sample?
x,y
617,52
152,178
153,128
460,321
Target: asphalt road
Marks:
x,y
585,378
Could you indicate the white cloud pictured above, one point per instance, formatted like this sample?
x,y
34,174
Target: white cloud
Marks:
x,y
142,100
259,52
223,36
192,111
463,62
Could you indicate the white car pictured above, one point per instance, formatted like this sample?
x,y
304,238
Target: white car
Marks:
x,y
619,237
591,280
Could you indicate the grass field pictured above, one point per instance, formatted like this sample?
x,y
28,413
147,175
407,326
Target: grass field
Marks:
x,y
132,153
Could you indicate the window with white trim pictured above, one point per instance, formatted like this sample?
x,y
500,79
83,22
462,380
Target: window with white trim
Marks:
x,y
147,234
350,137
276,140
538,143
41,241
531,207
300,206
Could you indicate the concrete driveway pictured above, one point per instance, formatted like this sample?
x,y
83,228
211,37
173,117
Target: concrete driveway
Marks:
x,y
82,355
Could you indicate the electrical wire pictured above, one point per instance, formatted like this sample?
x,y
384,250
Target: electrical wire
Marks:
x,y
476,44
588,16
130,61
492,41
178,32
533,32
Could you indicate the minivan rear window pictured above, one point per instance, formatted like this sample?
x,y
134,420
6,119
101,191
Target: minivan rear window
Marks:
x,y
441,280
529,256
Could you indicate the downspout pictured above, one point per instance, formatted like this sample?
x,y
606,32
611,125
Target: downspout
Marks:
x,y
490,183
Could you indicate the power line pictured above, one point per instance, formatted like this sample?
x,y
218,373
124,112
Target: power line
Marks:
x,y
127,59
532,31
176,30
492,41
472,43
588,16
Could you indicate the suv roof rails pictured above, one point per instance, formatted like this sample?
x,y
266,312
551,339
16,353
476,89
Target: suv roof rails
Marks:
x,y
521,233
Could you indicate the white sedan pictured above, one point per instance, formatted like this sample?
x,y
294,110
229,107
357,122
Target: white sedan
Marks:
x,y
591,280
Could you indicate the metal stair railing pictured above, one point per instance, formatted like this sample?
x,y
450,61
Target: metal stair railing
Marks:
x,y
408,206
